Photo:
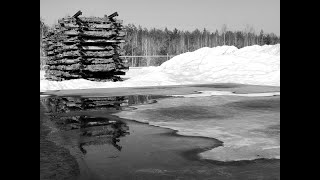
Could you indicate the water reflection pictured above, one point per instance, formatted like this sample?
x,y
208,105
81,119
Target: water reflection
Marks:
x,y
75,103
92,130
68,104
97,131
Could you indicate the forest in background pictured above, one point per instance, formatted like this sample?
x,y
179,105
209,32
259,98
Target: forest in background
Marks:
x,y
150,42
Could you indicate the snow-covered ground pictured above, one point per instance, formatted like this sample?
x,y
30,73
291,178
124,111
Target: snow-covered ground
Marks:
x,y
256,65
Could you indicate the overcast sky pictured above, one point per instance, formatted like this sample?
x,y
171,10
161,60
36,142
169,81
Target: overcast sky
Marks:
x,y
180,14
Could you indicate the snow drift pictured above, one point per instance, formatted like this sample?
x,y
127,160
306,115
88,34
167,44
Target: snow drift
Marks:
x,y
256,65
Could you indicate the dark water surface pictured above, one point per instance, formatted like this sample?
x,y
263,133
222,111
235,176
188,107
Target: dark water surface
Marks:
x,y
81,139
56,162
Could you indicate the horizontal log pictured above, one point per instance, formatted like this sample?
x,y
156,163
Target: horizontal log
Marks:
x,y
63,48
55,58
60,49
72,32
90,26
71,67
94,27
70,25
83,41
78,53
59,73
100,67
64,61
62,39
77,39
68,54
50,45
97,20
101,48
97,60
102,41
103,34
98,53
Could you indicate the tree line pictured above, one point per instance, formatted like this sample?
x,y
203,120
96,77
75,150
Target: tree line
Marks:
x,y
141,41
148,42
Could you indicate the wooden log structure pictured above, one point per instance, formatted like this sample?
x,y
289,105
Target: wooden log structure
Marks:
x,y
85,47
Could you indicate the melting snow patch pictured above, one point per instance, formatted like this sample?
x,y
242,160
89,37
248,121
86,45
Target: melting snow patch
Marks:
x,y
227,93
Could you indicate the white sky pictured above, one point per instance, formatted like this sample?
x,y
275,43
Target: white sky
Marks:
x,y
180,14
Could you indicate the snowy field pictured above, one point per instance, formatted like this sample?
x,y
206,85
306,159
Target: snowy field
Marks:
x,y
255,65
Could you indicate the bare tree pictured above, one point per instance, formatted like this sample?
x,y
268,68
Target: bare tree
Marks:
x,y
235,39
223,31
249,30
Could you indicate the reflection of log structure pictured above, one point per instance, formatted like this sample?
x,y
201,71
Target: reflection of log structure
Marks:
x,y
67,104
85,47
94,130
96,134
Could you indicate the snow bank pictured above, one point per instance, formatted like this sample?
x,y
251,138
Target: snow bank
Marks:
x,y
256,65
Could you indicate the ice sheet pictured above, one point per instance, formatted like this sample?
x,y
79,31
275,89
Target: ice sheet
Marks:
x,y
249,127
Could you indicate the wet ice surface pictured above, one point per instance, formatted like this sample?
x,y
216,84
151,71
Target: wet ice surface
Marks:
x,y
109,147
228,93
249,127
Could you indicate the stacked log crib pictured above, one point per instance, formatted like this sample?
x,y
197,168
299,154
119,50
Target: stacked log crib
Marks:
x,y
85,47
